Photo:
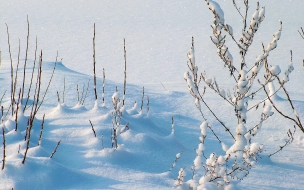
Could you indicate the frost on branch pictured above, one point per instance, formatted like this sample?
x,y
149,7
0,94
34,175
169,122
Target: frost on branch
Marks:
x,y
180,178
241,153
116,117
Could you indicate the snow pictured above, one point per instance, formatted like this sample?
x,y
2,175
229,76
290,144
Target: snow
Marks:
x,y
158,36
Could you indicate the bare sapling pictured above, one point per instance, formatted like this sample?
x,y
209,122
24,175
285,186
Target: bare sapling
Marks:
x,y
55,150
34,109
219,170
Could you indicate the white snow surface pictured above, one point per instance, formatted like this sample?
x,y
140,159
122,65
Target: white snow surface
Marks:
x,y
158,36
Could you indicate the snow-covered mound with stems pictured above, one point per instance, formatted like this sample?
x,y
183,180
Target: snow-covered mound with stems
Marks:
x,y
152,130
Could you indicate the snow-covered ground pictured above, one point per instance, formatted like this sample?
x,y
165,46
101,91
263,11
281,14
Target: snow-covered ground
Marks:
x,y
158,36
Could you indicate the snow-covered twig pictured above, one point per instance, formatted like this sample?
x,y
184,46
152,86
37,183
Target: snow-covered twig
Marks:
x,y
177,157
181,176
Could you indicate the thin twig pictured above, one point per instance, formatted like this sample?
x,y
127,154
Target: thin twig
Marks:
x,y
290,140
298,122
4,147
2,97
29,90
27,147
27,45
301,33
63,90
77,93
142,98
94,63
58,98
16,75
12,69
163,86
16,118
86,92
55,149
40,135
47,88
281,113
125,75
93,128
103,86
